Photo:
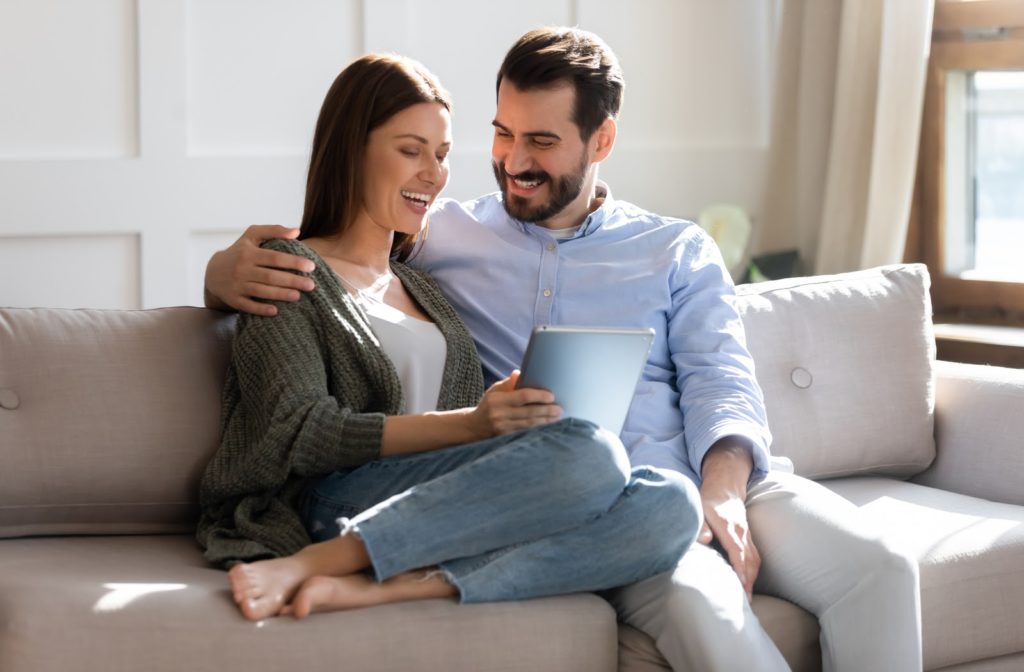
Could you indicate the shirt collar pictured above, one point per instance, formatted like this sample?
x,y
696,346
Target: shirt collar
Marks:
x,y
600,215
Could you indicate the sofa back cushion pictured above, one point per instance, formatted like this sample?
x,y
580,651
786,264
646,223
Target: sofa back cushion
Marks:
x,y
107,417
845,362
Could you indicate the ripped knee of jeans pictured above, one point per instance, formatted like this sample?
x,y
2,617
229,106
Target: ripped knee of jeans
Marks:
x,y
347,527
436,573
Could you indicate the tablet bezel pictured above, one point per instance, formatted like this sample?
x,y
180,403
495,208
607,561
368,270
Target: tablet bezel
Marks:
x,y
576,376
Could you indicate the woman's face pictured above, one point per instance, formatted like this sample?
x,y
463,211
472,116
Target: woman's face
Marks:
x,y
406,167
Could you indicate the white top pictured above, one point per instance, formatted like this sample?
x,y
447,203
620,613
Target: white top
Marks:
x,y
564,234
417,350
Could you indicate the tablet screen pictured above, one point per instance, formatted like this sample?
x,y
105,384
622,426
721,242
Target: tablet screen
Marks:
x,y
592,371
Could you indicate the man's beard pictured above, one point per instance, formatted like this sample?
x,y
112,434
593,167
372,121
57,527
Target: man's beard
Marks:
x,y
564,191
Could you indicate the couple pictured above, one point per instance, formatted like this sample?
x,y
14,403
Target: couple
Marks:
x,y
358,402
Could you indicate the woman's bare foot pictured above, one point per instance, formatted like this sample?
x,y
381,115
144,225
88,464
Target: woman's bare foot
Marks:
x,y
261,588
333,593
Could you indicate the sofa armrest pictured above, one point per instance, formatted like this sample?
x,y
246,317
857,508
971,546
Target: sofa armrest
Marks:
x,y
979,432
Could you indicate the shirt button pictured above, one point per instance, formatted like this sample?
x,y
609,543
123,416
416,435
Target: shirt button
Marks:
x,y
801,378
547,292
551,247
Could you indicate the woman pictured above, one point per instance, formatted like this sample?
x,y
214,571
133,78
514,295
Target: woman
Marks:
x,y
354,418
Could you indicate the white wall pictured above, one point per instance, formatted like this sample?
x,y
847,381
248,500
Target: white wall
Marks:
x,y
138,136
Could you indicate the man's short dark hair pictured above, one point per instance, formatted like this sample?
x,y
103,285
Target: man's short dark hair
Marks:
x,y
547,57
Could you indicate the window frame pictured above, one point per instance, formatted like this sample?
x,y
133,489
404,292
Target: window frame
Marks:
x,y
952,50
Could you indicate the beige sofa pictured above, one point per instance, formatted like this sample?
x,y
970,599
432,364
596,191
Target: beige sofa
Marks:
x,y
107,418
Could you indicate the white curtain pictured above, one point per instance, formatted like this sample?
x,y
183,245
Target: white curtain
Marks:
x,y
848,91
876,121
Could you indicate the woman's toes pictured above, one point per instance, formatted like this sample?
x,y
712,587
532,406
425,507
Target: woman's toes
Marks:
x,y
238,577
250,611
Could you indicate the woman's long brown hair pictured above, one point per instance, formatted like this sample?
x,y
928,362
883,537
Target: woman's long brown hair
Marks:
x,y
364,96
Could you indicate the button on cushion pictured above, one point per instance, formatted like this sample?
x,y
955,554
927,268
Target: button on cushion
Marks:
x,y
801,377
9,399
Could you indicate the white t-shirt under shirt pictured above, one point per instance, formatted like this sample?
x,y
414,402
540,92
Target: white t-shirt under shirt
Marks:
x,y
417,350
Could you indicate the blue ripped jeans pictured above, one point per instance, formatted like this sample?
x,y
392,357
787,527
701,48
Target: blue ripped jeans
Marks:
x,y
551,510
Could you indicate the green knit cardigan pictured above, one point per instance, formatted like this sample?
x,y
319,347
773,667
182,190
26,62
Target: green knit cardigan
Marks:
x,y
306,394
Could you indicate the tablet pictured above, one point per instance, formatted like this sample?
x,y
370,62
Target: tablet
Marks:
x,y
593,371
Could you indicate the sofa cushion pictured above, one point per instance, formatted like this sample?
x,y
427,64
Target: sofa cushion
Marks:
x,y
107,417
978,428
152,603
971,554
845,362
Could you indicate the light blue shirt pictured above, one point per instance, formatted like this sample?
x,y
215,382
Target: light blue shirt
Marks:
x,y
624,267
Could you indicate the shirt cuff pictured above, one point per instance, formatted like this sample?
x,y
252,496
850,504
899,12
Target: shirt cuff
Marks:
x,y
757,435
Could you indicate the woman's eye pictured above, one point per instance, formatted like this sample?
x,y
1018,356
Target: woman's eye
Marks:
x,y
411,152
442,157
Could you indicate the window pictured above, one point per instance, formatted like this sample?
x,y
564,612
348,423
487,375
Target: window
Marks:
x,y
970,208
984,175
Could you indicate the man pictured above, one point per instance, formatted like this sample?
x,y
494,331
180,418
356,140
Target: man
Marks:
x,y
554,247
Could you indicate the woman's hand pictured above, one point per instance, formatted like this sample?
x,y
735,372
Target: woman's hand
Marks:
x,y
504,409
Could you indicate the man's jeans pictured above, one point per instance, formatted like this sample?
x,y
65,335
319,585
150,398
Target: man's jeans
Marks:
x,y
551,510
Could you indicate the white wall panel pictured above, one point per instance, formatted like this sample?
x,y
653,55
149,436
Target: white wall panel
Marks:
x,y
682,183
202,245
258,71
68,79
697,73
210,105
98,271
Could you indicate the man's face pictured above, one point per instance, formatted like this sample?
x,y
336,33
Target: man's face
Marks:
x,y
539,159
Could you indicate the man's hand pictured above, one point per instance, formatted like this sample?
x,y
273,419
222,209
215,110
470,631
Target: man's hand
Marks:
x,y
723,492
245,271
